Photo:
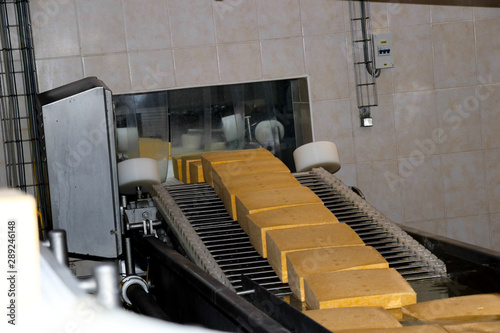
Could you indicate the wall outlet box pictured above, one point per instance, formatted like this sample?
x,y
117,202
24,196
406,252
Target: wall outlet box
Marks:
x,y
382,47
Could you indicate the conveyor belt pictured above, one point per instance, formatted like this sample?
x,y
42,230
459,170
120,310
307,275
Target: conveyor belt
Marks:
x,y
224,249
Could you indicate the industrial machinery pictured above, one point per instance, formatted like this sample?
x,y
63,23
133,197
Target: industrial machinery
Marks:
x,y
181,257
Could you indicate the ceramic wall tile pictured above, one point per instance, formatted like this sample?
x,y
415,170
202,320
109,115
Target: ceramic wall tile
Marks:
x,y
55,33
112,69
322,16
101,26
283,58
408,13
452,10
416,124
196,66
327,65
490,117
495,232
454,54
53,73
464,184
459,117
435,227
191,22
492,157
240,62
413,60
421,184
485,9
487,48
378,142
279,18
151,70
379,15
347,174
332,122
236,21
474,230
146,25
378,192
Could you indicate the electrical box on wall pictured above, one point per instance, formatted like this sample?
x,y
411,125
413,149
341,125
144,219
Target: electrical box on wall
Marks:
x,y
382,44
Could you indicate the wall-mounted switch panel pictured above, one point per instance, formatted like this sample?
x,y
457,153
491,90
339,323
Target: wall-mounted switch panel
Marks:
x,y
382,44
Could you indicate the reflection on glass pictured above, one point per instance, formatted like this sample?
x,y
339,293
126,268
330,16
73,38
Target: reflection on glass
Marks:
x,y
273,115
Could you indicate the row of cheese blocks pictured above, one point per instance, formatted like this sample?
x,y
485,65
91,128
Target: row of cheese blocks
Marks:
x,y
325,262
473,313
187,168
334,255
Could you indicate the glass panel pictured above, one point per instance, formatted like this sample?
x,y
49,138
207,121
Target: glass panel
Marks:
x,y
273,115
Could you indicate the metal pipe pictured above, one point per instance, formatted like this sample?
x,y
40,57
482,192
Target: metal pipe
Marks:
x,y
89,285
144,303
129,260
106,276
59,246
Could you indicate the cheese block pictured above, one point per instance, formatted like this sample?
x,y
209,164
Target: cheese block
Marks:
x,y
365,287
177,164
255,202
186,174
226,174
196,172
177,167
283,241
208,160
330,259
405,329
353,318
259,224
251,183
456,307
474,327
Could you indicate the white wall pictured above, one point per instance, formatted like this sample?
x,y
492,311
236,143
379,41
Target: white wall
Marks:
x,y
446,81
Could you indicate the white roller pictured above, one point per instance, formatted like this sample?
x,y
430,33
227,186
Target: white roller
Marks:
x,y
191,141
317,154
137,172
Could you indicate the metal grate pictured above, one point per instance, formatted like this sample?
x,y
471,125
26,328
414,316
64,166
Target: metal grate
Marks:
x,y
230,247
18,89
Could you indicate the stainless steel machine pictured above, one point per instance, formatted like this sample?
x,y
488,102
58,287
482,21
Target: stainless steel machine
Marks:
x,y
79,145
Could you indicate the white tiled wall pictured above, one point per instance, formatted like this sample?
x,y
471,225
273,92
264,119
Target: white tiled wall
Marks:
x,y
431,159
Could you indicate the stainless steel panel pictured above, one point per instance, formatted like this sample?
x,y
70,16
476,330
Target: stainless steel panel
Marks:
x,y
81,161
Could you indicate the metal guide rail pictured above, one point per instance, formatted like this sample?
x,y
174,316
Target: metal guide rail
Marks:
x,y
230,250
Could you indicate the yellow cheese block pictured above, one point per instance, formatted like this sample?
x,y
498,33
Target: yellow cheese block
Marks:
x,y
186,174
251,183
254,202
208,160
330,259
353,318
283,241
365,287
226,174
259,224
456,307
177,167
177,164
474,327
156,149
196,172
406,329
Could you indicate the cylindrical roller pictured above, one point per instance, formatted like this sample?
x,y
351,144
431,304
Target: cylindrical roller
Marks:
x,y
137,172
317,154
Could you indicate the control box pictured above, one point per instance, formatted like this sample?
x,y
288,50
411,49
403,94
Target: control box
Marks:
x,y
382,45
